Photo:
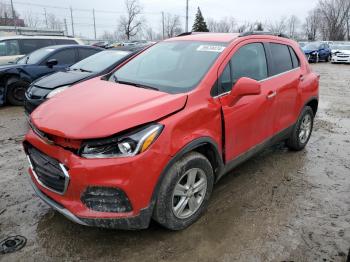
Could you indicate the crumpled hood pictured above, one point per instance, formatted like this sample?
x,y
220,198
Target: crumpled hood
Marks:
x,y
9,66
97,108
61,79
309,51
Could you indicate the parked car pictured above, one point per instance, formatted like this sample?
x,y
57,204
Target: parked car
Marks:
x,y
102,44
341,54
16,78
151,140
302,44
14,47
316,52
95,65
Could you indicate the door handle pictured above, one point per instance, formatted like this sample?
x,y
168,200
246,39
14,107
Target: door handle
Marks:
x,y
301,77
271,94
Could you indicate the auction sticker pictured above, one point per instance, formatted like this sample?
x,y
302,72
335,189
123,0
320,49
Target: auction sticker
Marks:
x,y
211,48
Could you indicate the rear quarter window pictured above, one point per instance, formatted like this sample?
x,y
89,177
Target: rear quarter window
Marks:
x,y
281,58
295,58
65,42
30,45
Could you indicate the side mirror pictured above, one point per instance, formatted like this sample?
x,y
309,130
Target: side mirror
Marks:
x,y
243,87
52,62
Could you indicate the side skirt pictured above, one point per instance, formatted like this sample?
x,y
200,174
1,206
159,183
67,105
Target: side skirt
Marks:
x,y
284,134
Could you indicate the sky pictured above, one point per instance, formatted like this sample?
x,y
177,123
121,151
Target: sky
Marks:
x,y
107,12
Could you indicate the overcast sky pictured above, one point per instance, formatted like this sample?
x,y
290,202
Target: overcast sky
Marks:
x,y
108,11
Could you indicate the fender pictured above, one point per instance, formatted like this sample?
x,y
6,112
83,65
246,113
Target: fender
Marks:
x,y
187,148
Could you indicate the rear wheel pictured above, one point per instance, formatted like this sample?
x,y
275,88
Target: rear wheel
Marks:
x,y
16,92
302,130
328,58
184,192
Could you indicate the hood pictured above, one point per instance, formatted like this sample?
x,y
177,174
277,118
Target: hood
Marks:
x,y
62,79
97,109
339,51
308,51
9,66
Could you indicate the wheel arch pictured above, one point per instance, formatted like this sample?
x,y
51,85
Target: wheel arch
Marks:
x,y
313,103
204,145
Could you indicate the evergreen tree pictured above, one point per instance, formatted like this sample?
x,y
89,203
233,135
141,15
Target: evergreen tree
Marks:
x,y
259,27
199,24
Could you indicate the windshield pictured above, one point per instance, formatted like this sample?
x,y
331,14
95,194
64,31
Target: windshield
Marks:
x,y
312,46
343,47
172,67
36,56
100,61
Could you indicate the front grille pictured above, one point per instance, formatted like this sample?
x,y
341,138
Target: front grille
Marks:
x,y
48,171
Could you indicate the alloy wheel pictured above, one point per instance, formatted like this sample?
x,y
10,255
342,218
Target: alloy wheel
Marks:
x,y
305,128
189,193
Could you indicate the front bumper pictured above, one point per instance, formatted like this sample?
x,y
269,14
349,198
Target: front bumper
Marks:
x,y
136,176
31,104
337,59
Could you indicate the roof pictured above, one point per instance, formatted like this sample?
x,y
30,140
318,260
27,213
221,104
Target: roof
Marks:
x,y
71,46
34,37
208,37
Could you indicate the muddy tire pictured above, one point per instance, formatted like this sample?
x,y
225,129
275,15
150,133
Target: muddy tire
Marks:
x,y
302,130
16,92
184,193
328,58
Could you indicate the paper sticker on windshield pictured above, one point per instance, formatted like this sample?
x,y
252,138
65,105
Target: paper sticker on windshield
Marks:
x,y
211,48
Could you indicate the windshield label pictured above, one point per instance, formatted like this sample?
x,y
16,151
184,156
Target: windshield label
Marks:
x,y
211,48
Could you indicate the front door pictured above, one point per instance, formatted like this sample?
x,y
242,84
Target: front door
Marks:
x,y
250,121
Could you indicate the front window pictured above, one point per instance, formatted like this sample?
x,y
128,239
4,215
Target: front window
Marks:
x,y
36,56
172,67
99,61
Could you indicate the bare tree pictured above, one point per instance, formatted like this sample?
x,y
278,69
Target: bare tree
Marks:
x,y
225,25
246,27
334,15
293,24
172,25
32,20
312,25
131,24
278,26
53,22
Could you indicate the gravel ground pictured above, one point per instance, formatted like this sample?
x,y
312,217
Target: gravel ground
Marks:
x,y
278,206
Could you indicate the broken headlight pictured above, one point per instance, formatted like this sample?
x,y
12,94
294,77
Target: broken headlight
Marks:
x,y
126,145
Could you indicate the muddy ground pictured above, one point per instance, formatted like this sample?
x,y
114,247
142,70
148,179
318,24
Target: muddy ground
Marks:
x,y
278,206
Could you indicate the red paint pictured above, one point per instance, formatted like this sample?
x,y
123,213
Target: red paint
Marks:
x,y
82,112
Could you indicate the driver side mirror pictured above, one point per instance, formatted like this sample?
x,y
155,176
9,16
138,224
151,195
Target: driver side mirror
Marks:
x,y
52,62
243,87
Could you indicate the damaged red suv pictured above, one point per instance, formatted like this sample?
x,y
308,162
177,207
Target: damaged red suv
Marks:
x,y
150,140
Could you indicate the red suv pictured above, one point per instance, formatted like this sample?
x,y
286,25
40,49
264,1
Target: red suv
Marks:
x,y
151,139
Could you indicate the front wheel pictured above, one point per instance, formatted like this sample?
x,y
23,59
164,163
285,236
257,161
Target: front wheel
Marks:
x,y
184,193
16,92
328,58
302,130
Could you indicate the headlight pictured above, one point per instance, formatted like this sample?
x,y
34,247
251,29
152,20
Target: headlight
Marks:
x,y
57,91
130,144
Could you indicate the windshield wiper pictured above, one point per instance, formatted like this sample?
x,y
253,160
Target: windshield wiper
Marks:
x,y
134,84
82,70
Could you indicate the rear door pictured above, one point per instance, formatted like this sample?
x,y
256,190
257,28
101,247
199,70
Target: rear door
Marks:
x,y
286,77
249,121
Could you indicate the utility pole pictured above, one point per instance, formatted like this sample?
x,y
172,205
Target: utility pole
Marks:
x,y
93,14
65,26
71,18
47,25
186,15
13,17
163,25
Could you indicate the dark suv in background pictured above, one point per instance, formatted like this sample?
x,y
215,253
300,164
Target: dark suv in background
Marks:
x,y
16,78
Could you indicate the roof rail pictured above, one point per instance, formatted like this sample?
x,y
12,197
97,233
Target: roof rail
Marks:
x,y
191,33
262,33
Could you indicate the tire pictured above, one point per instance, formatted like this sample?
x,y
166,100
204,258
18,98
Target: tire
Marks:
x,y
16,92
328,58
297,141
167,210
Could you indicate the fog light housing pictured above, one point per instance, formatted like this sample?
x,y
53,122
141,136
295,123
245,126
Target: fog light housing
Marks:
x,y
106,199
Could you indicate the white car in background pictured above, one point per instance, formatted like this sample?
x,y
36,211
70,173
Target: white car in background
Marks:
x,y
14,47
341,54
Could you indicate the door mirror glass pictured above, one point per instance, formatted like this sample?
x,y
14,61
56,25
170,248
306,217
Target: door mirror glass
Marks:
x,y
52,62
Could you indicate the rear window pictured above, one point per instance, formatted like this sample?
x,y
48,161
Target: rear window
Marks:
x,y
281,58
30,45
295,59
86,52
65,42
